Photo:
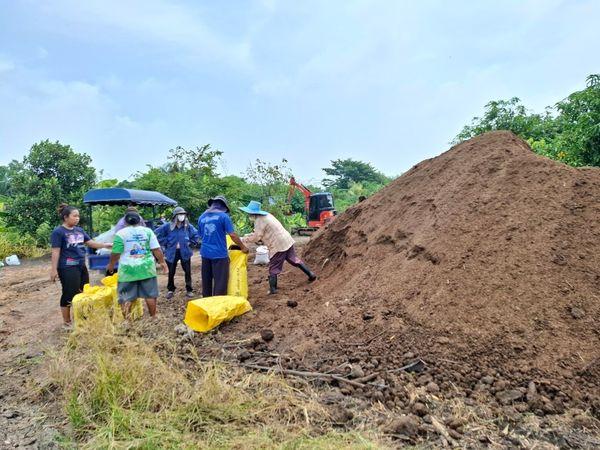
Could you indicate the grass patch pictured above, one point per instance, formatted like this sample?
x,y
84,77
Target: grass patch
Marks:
x,y
119,393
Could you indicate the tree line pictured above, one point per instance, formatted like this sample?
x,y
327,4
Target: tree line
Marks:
x,y
52,172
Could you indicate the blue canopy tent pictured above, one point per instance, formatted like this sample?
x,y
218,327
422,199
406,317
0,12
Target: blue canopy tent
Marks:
x,y
121,196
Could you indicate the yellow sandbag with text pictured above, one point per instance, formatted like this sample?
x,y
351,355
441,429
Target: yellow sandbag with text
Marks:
x,y
207,313
137,308
238,274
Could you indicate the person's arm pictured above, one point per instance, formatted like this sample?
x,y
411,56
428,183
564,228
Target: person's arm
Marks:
x,y
235,238
114,258
257,234
56,239
87,240
193,234
117,248
93,244
54,268
158,254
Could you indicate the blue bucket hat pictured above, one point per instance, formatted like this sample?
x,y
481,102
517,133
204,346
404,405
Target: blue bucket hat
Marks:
x,y
254,208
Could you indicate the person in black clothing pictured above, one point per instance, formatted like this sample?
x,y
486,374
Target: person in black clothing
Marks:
x,y
68,258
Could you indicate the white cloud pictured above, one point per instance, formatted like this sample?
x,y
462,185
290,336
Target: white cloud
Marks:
x,y
159,22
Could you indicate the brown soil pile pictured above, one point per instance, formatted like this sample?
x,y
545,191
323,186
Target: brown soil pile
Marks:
x,y
483,261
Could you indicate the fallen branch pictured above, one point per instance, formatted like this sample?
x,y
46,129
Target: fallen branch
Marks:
x,y
304,374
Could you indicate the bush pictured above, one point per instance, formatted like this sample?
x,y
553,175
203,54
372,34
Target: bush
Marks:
x,y
23,245
42,235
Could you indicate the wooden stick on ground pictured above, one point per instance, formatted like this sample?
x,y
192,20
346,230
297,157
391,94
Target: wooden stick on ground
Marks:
x,y
299,373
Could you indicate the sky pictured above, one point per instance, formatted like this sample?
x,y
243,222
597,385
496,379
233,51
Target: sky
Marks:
x,y
387,82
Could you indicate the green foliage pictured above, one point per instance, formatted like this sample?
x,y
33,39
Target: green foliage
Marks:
x,y
347,171
4,180
42,234
51,173
344,198
13,242
569,131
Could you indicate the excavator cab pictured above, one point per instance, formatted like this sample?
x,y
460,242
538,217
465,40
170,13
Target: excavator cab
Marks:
x,y
320,209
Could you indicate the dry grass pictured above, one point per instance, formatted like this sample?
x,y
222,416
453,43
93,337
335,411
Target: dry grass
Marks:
x,y
119,393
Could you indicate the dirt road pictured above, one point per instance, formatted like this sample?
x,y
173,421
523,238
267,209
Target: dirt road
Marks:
x,y
30,325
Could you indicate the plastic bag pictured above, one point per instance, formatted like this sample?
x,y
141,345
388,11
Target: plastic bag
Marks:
x,y
238,274
262,255
106,237
12,260
206,313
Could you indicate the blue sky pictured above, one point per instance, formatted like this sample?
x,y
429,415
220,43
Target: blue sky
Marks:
x,y
389,82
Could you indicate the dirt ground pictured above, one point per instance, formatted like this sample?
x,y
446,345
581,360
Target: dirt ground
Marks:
x,y
408,407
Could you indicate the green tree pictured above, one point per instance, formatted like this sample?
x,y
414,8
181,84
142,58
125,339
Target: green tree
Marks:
x,y
579,121
510,115
51,173
4,181
569,131
190,176
344,172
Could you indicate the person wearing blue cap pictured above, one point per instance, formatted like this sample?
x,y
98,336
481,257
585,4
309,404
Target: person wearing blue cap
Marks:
x,y
279,241
213,226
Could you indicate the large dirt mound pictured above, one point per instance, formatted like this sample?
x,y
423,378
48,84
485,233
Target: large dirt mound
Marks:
x,y
489,245
483,261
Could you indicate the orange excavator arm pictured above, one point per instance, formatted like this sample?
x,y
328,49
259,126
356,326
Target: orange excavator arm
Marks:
x,y
305,191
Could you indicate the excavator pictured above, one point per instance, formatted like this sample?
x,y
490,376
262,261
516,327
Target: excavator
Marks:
x,y
318,206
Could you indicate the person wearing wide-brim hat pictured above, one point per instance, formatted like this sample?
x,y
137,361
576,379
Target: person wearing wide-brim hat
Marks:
x,y
279,241
214,225
177,237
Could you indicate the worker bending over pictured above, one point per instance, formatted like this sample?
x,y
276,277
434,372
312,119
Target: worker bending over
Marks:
x,y
279,241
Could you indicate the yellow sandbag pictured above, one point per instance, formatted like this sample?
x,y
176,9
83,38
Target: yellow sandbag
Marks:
x,y
238,274
137,307
207,313
94,301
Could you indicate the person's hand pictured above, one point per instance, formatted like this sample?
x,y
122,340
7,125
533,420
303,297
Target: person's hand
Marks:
x,y
164,267
110,269
108,245
245,249
53,275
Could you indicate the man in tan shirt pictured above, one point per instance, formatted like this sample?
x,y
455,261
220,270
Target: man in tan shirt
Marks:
x,y
279,241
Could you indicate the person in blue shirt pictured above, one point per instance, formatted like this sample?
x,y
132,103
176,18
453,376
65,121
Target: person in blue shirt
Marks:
x,y
68,243
214,225
177,238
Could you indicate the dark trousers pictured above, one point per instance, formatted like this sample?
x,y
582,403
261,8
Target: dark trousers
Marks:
x,y
72,279
215,276
277,260
187,269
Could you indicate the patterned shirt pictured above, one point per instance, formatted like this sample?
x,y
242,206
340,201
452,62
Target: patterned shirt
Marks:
x,y
135,244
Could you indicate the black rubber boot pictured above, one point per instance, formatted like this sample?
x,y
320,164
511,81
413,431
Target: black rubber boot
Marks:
x,y
272,284
310,274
